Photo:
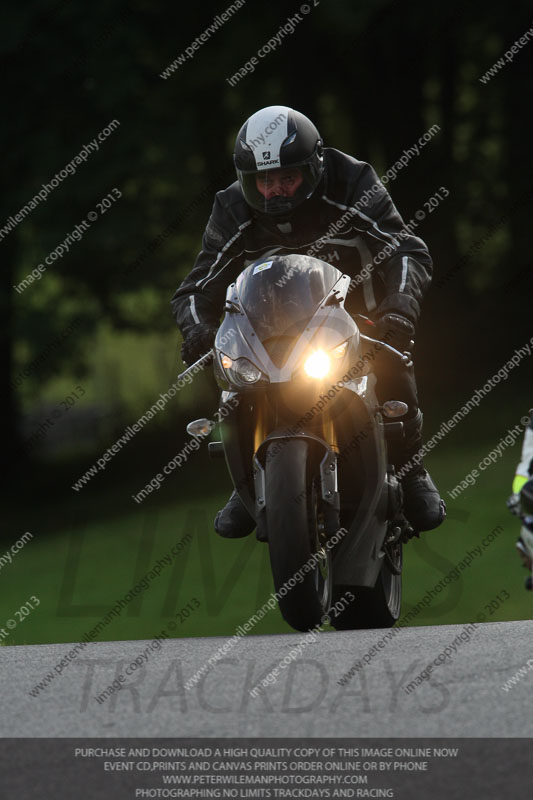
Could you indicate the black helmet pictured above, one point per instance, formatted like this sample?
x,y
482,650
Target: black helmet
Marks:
x,y
275,138
526,498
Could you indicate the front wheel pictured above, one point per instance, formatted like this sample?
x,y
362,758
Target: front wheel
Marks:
x,y
300,562
378,607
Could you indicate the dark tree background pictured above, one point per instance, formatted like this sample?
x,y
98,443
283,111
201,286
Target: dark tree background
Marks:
x,y
373,75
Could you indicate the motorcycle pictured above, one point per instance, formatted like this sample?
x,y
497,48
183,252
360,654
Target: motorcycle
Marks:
x,y
305,441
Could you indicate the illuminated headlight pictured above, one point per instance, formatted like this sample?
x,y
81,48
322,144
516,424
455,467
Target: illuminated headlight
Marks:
x,y
317,365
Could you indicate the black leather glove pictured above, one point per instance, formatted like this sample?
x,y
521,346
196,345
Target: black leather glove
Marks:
x,y
198,341
396,330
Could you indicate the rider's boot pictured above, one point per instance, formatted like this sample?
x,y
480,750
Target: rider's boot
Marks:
x,y
422,503
234,521
524,546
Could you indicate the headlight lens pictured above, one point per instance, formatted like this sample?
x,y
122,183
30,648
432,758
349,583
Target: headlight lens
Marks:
x,y
240,371
246,371
317,365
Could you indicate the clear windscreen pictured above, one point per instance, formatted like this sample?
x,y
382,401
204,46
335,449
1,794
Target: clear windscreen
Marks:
x,y
280,296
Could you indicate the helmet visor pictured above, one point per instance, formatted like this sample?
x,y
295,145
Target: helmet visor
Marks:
x,y
278,191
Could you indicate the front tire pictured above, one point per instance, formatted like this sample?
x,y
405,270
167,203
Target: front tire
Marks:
x,y
293,535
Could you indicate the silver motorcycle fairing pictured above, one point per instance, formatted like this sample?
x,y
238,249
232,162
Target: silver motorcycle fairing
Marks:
x,y
357,560
330,326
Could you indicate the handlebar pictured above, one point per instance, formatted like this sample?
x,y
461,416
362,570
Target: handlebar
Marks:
x,y
405,357
205,359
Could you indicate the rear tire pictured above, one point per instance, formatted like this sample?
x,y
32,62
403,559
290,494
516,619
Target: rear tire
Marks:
x,y
292,525
378,607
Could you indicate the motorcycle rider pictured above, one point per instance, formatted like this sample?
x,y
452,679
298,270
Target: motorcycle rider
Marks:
x,y
521,502
294,196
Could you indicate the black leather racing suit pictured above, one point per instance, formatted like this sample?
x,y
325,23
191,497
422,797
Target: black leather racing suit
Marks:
x,y
350,222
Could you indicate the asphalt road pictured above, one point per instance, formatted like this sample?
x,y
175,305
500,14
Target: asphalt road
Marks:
x,y
463,696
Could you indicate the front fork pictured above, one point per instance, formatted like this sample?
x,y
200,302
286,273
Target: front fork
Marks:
x,y
329,498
